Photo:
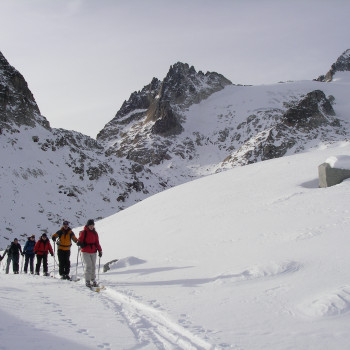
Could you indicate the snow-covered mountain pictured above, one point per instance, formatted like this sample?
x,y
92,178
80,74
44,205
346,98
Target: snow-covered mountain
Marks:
x,y
49,174
209,124
186,126
253,258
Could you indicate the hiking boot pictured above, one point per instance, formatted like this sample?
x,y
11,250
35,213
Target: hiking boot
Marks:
x,y
88,284
94,284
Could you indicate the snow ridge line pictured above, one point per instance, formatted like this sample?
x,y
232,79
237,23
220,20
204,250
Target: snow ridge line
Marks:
x,y
158,328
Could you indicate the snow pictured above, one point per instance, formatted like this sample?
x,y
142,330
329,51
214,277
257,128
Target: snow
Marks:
x,y
252,258
339,162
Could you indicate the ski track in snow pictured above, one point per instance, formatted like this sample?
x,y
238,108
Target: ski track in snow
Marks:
x,y
152,326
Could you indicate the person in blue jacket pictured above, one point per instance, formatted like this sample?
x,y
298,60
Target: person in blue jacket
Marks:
x,y
28,250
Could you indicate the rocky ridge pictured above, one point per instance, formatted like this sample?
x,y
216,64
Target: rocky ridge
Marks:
x,y
50,174
342,64
174,130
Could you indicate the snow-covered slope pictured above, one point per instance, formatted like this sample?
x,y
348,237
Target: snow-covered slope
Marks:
x,y
251,258
187,126
49,175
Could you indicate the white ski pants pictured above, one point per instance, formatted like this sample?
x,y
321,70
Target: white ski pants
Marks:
x,y
90,266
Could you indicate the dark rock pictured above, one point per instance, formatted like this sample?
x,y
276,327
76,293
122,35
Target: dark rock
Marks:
x,y
106,267
166,122
17,103
341,65
310,112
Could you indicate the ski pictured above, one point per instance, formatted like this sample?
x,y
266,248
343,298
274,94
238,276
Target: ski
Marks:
x,y
97,289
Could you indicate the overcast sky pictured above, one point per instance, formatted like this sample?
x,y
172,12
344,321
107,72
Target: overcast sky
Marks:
x,y
83,58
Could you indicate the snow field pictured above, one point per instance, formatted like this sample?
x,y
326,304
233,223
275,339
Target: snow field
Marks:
x,y
253,258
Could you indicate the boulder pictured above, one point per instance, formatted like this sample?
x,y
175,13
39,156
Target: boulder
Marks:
x,y
334,171
106,266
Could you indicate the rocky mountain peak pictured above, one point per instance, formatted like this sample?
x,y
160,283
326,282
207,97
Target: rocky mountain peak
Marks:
x,y
17,103
183,85
342,64
160,103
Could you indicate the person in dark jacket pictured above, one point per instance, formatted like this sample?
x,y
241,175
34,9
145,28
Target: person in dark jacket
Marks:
x,y
28,251
41,249
13,255
89,243
64,238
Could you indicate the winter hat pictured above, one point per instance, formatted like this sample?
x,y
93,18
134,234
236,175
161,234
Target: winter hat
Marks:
x,y
90,222
44,235
65,222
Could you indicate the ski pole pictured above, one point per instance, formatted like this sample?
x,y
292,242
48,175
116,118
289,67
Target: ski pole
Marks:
x,y
54,263
99,265
76,267
22,263
81,258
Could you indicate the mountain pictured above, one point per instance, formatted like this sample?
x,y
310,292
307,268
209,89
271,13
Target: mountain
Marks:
x,y
193,124
186,126
48,175
254,258
341,65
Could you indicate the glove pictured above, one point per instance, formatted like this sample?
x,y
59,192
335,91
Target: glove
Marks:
x,y
54,239
100,254
51,254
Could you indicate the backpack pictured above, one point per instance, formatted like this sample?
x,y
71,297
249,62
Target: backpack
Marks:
x,y
83,244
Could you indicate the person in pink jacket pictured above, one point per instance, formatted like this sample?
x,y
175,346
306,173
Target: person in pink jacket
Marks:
x,y
90,245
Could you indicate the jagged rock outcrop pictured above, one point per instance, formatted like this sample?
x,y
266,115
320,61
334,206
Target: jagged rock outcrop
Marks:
x,y
132,111
341,65
311,112
311,118
17,104
158,111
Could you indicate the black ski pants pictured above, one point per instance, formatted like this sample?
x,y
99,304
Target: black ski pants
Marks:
x,y
29,260
15,263
39,259
63,261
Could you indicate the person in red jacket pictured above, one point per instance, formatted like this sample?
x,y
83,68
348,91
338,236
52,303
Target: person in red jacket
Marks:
x,y
90,245
41,249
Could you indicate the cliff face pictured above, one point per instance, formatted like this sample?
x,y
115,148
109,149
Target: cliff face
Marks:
x,y
156,113
341,65
17,104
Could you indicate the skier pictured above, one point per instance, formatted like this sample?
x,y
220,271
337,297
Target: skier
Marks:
x,y
28,250
65,236
41,249
89,243
13,255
